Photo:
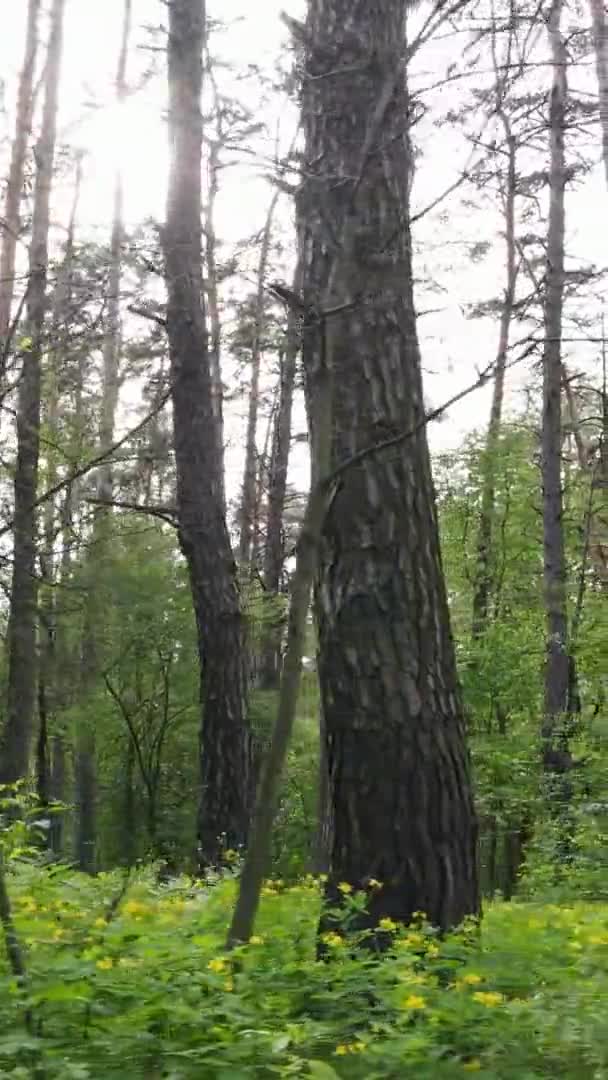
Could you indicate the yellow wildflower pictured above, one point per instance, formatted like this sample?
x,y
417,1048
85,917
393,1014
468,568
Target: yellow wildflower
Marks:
x,y
256,940
489,998
413,939
218,965
414,1001
345,888
432,951
387,924
471,979
374,883
100,923
105,963
229,984
350,1048
332,939
474,1065
598,939
58,934
135,908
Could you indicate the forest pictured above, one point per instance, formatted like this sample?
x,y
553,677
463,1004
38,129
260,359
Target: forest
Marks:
x,y
304,540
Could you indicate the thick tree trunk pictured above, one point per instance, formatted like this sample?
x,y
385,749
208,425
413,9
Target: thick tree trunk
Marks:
x,y
398,765
21,689
14,187
225,744
274,553
557,664
600,45
485,570
249,490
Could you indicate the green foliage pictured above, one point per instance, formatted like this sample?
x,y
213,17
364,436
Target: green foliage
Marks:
x,y
149,991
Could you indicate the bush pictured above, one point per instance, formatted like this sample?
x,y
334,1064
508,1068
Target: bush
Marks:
x,y
152,993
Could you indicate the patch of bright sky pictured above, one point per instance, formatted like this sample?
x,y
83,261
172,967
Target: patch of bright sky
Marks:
x,y
135,137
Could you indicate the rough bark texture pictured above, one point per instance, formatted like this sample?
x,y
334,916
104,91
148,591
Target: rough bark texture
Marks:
x,y
21,688
225,746
557,662
398,765
600,45
14,185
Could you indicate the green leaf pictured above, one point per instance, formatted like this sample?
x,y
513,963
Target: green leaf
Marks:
x,y
322,1071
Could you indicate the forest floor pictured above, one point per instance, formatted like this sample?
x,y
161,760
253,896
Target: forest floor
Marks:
x,y
135,982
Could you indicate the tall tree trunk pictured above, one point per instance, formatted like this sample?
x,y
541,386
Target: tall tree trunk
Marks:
x,y
203,534
49,611
485,570
14,187
600,45
212,276
21,689
277,488
93,631
249,489
557,663
398,765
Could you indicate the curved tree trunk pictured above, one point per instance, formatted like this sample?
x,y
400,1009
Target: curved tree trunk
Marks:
x,y
400,793
21,689
225,744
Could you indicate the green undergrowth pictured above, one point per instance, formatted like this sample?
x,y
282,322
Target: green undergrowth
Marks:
x,y
151,992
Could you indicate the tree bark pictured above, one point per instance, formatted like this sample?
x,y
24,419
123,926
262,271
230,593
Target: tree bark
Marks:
x,y
557,661
398,766
14,187
92,637
49,609
21,688
249,489
485,569
212,278
203,534
600,45
277,489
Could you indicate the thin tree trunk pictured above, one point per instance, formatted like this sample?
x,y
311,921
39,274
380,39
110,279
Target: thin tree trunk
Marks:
x,y
21,689
277,489
400,791
57,354
212,283
203,534
600,45
248,493
557,660
92,644
12,200
485,570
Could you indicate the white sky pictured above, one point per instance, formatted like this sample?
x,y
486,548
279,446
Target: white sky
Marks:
x,y
452,346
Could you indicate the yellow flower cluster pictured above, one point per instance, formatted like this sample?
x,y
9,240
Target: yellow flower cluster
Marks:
x,y
350,1048
489,998
217,965
335,941
414,1002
